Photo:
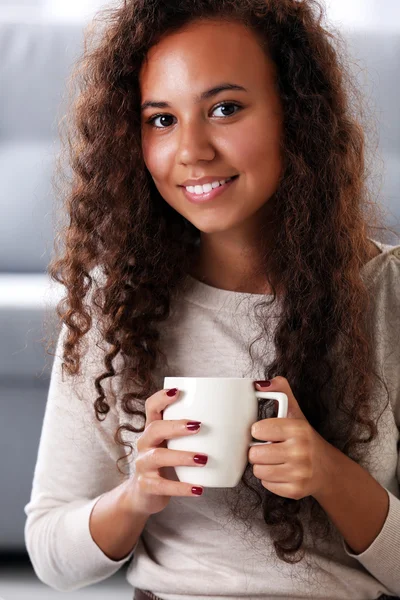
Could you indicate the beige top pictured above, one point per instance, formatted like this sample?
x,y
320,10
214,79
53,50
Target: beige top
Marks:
x,y
192,549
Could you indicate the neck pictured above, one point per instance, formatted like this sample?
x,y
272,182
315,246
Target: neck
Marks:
x,y
230,264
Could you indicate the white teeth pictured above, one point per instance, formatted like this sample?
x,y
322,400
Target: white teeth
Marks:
x,y
204,189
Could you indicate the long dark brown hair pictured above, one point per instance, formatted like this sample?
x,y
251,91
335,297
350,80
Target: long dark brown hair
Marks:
x,y
324,213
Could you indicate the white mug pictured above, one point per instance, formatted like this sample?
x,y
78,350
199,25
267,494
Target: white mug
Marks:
x,y
227,408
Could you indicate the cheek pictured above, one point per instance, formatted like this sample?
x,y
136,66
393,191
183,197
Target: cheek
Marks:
x,y
157,158
268,165
260,158
259,146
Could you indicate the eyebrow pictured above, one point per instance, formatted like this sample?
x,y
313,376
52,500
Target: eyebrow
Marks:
x,y
204,96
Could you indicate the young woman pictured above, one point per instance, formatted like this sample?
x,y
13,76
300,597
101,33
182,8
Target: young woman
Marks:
x,y
218,225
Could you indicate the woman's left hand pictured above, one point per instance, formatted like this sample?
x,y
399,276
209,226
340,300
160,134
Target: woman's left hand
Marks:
x,y
300,464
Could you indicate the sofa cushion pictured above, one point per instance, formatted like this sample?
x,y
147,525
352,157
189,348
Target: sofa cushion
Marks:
x,y
26,303
27,232
36,61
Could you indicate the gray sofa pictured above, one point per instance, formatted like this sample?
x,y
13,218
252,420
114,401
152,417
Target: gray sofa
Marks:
x,y
36,59
35,62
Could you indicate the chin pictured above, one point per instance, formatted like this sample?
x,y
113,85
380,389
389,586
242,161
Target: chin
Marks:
x,y
213,227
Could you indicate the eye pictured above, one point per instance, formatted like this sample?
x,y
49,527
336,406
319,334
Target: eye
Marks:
x,y
224,104
152,120
166,116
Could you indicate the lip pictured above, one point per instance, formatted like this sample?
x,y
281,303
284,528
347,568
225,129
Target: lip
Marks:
x,y
204,180
203,198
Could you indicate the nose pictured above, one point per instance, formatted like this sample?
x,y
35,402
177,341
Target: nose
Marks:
x,y
194,143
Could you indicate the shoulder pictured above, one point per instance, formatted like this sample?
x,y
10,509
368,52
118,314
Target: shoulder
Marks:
x,y
382,279
382,273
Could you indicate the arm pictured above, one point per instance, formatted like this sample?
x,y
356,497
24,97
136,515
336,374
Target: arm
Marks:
x,y
355,502
367,514
114,524
75,470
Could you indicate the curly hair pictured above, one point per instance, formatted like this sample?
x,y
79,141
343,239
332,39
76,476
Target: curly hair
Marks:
x,y
323,212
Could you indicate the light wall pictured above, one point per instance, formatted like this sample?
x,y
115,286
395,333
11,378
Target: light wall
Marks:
x,y
365,14
358,14
349,14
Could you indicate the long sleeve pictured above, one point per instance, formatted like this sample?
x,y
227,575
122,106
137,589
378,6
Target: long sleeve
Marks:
x,y
76,464
382,558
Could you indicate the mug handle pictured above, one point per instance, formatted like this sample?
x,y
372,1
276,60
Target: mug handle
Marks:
x,y
282,399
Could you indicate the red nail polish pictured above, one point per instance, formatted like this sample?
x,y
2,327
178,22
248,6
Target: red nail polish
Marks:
x,y
193,425
172,392
197,491
200,459
266,383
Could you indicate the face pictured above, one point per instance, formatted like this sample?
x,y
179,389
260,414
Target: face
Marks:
x,y
231,132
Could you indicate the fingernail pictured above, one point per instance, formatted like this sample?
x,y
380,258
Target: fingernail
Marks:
x,y
200,459
265,383
172,392
197,491
193,425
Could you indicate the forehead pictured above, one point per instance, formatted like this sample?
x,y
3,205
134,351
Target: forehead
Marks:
x,y
201,51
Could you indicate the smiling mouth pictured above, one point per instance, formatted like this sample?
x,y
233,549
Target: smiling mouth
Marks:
x,y
208,196
226,179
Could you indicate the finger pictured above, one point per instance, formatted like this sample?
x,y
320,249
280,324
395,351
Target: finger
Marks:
x,y
158,431
271,454
156,403
275,429
156,458
272,473
158,486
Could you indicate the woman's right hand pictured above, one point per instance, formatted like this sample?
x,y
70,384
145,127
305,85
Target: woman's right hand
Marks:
x,y
151,491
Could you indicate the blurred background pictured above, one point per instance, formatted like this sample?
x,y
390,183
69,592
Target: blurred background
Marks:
x,y
39,42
